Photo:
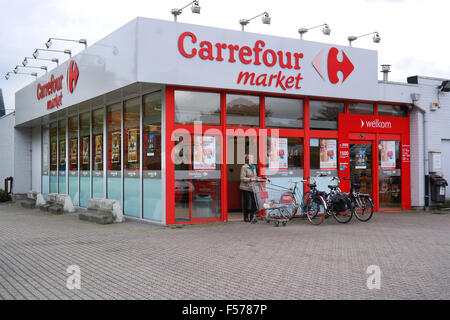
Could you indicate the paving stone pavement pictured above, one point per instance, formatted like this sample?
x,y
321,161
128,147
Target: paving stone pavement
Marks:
x,y
234,260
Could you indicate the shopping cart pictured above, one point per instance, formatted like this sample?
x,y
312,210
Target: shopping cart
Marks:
x,y
277,202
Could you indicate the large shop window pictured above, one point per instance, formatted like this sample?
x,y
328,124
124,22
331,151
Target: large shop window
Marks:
x,y
323,160
360,108
285,158
62,156
85,165
54,157
324,114
45,160
197,177
98,190
131,139
393,111
114,129
73,160
389,174
151,166
242,110
193,106
284,113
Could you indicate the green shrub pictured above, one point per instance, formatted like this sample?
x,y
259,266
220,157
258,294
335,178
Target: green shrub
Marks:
x,y
3,196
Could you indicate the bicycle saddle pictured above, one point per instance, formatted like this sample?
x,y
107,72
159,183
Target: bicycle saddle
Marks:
x,y
356,185
311,185
333,187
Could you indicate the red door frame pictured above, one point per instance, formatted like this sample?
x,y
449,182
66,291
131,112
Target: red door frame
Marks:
x,y
351,125
371,139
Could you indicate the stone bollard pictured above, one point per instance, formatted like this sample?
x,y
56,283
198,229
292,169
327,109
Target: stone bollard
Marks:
x,y
40,201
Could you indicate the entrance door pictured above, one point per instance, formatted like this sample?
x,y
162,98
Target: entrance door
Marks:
x,y
361,162
389,174
237,147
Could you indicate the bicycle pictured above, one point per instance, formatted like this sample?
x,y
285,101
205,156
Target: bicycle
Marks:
x,y
362,202
338,203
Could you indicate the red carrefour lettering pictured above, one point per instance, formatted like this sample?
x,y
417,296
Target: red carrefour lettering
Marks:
x,y
256,54
181,44
246,54
54,85
206,53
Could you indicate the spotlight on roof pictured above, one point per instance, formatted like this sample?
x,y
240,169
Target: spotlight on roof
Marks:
x,y
195,9
326,30
376,38
445,86
48,44
266,19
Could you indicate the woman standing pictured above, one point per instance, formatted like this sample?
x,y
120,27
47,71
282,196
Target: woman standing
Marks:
x,y
248,173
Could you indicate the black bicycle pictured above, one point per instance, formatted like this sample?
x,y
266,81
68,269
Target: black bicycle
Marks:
x,y
339,204
362,202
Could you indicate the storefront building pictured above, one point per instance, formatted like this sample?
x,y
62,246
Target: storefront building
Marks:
x,y
158,115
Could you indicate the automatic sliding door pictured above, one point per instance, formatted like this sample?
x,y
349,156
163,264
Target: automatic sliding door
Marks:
x,y
389,174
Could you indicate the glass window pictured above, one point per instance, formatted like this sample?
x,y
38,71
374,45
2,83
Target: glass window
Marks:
x,y
114,177
285,156
284,113
393,111
193,106
73,159
242,110
152,156
45,160
84,152
324,114
131,141
98,190
54,158
62,155
360,108
197,177
389,174
323,159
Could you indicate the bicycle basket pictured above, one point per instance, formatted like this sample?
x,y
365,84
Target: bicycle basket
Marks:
x,y
339,202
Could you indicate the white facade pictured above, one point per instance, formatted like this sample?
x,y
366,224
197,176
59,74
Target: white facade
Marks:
x,y
435,137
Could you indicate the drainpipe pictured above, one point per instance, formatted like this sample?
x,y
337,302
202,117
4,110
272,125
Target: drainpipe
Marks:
x,y
415,97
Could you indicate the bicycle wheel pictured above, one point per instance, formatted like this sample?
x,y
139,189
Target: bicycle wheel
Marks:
x,y
313,212
363,208
295,207
346,215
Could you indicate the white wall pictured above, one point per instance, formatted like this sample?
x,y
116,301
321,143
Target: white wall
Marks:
x,y
22,160
438,132
36,159
6,147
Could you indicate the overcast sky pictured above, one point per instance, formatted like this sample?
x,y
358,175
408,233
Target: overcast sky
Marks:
x,y
413,33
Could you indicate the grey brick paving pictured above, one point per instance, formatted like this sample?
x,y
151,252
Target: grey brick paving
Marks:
x,y
225,260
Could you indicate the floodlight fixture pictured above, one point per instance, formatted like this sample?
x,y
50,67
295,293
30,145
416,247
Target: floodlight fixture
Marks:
x,y
195,9
49,43
266,19
376,37
36,52
325,30
445,86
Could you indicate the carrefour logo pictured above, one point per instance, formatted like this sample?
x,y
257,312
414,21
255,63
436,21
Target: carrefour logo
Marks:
x,y
72,76
333,65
